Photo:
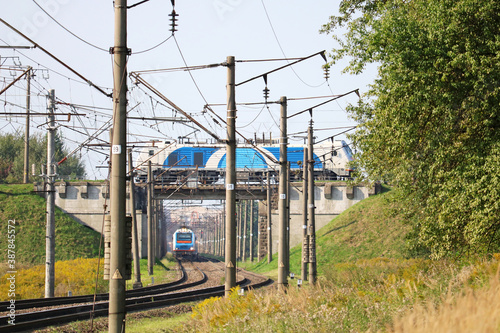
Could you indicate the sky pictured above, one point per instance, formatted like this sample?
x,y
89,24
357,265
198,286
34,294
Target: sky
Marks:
x,y
208,32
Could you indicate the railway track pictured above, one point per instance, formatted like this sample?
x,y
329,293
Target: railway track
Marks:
x,y
136,300
57,301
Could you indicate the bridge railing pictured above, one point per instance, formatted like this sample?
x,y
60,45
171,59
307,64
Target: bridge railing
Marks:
x,y
195,177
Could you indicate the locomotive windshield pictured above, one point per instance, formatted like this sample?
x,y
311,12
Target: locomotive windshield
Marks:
x,y
184,236
347,150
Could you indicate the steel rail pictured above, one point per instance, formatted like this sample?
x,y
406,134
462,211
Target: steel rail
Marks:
x,y
54,301
160,298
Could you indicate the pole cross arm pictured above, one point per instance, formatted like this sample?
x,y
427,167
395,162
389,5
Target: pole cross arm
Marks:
x,y
325,102
264,75
15,80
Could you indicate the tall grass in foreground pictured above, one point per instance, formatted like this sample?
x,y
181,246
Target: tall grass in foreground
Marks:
x,y
365,295
474,311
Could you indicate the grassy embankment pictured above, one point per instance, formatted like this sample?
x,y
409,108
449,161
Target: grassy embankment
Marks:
x,y
74,243
19,203
369,229
366,283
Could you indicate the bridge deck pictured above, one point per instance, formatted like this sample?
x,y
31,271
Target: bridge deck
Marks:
x,y
209,192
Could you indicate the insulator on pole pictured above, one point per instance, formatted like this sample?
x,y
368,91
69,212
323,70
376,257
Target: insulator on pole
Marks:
x,y
326,68
266,93
173,20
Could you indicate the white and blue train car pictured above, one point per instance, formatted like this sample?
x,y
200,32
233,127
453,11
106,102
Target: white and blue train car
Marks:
x,y
331,160
184,244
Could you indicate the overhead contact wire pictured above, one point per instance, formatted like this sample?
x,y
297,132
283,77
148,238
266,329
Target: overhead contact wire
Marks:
x,y
56,59
281,48
67,30
190,74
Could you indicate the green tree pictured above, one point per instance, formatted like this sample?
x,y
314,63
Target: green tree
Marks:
x,y
12,157
9,146
430,122
73,167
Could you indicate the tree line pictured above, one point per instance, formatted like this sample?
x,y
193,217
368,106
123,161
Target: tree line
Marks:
x,y
430,123
12,158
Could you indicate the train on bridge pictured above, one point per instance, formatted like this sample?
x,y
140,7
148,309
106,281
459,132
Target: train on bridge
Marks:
x,y
174,162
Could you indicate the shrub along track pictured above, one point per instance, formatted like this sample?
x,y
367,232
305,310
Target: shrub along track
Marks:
x,y
141,299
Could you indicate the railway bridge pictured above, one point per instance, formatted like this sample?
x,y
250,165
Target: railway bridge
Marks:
x,y
88,201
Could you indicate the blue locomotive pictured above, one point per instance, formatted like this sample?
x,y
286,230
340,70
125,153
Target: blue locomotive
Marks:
x,y
177,161
184,244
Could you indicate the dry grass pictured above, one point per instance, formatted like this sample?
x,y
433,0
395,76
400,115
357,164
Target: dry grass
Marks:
x,y
309,310
366,296
472,311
